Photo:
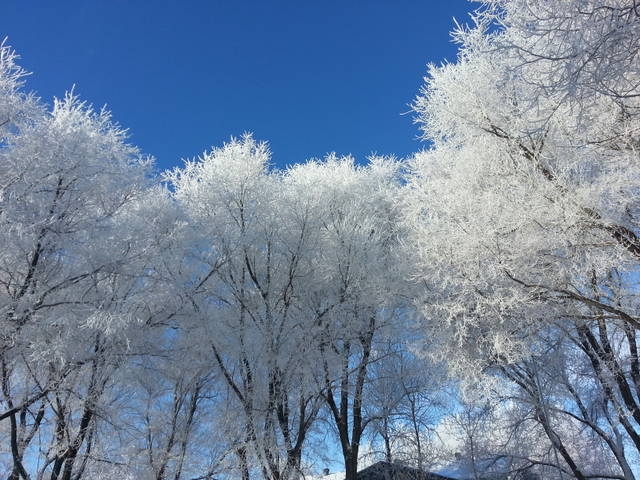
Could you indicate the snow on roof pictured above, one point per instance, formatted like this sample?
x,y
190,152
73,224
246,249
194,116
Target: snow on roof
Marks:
x,y
487,468
330,476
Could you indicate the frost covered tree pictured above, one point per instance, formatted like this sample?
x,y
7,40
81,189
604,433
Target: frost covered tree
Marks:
x,y
524,211
177,414
248,303
362,296
557,392
545,415
291,285
406,398
545,175
80,230
252,236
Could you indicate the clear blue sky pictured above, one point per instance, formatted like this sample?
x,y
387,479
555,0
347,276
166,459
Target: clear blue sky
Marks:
x,y
309,77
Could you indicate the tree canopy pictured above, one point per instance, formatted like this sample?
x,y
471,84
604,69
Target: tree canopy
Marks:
x,y
227,319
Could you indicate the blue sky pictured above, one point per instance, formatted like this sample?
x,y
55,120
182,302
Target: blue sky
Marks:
x,y
309,77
